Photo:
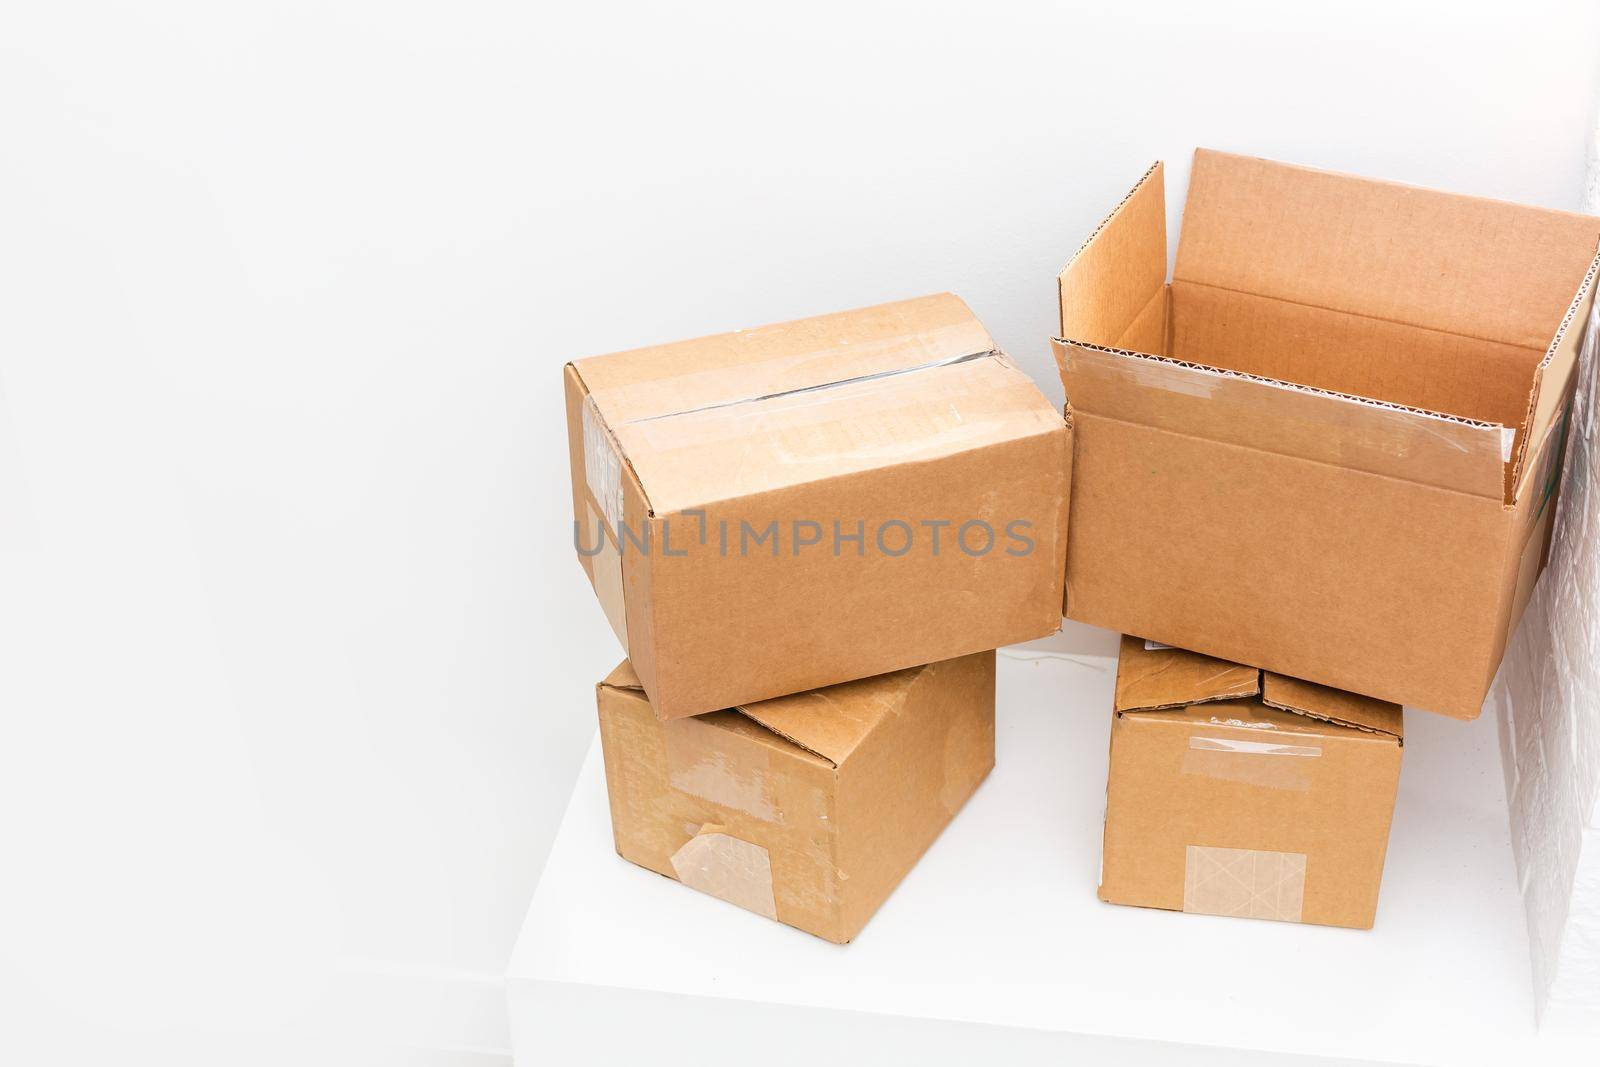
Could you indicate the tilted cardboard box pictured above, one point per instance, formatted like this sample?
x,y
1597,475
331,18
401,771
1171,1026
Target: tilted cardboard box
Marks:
x,y
1234,791
789,507
1329,445
808,809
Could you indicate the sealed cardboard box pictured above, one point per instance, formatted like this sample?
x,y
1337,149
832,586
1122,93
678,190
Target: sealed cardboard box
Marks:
x,y
808,809
1235,791
1329,445
784,508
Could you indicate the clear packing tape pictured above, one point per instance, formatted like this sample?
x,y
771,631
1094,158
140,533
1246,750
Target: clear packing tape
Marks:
x,y
720,433
1266,764
1244,882
1547,699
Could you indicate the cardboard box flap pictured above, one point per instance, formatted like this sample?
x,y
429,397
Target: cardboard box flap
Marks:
x,y
1149,679
1248,713
831,722
904,383
1458,264
1109,287
1331,705
1250,411
1549,392
623,677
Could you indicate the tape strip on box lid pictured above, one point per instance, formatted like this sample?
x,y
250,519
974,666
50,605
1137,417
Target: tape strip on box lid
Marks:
x,y
610,436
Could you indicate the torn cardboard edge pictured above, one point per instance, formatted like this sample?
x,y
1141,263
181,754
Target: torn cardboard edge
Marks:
x,y
1157,679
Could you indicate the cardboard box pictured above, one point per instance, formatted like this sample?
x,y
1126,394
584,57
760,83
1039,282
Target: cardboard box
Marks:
x,y
1329,445
808,809
1235,791
789,507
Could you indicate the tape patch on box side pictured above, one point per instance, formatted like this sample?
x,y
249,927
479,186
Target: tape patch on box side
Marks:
x,y
1267,764
728,868
602,465
1244,882
606,565
701,764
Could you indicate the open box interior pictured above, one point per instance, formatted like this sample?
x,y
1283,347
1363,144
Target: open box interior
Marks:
x,y
1413,298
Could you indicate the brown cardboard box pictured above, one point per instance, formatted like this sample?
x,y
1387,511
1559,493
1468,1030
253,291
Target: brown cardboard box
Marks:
x,y
808,809
1329,445
1234,791
822,500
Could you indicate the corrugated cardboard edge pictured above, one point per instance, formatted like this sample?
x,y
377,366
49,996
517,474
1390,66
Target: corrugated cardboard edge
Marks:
x,y
1155,172
1158,165
1331,705
1531,422
1410,444
1366,401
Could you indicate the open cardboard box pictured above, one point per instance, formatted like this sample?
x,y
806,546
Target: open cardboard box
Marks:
x,y
1329,445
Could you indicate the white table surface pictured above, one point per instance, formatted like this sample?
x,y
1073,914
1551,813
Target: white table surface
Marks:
x,y
996,944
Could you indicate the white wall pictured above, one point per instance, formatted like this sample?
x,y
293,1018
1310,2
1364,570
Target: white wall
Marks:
x,y
294,660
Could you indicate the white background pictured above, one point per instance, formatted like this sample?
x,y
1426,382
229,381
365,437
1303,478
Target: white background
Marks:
x,y
295,660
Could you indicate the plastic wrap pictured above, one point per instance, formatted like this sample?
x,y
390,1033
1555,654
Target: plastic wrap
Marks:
x,y
1547,699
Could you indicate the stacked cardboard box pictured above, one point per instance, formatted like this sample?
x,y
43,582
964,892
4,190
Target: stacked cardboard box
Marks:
x,y
1327,448
1236,791
1322,456
809,538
